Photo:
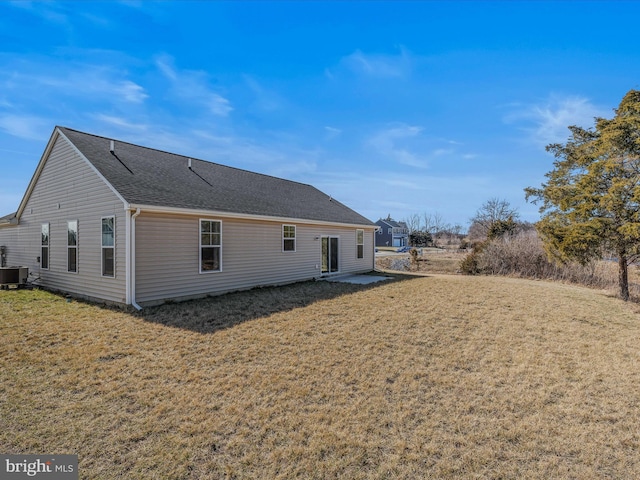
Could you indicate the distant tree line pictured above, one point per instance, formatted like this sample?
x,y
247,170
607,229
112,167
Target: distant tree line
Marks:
x,y
431,230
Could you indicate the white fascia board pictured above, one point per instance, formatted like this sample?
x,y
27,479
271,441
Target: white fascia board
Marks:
x,y
242,216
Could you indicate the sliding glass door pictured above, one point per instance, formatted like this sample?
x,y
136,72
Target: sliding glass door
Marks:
x,y
330,259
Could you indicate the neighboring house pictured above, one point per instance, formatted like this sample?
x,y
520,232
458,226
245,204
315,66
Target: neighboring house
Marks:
x,y
391,233
111,221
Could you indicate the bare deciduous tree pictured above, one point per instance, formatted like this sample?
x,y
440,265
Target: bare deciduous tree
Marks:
x,y
412,222
491,211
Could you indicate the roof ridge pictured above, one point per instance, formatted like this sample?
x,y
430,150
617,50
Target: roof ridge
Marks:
x,y
185,156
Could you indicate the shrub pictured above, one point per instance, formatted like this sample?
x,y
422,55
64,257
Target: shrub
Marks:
x,y
413,254
470,264
420,239
523,255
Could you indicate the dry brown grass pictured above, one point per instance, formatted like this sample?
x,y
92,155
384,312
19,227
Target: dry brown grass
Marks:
x,y
432,377
432,260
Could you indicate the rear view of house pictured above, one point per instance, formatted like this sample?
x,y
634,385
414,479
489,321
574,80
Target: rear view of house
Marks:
x,y
112,221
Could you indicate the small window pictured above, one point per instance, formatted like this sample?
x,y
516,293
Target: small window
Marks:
x,y
72,246
360,243
288,238
108,247
44,249
210,245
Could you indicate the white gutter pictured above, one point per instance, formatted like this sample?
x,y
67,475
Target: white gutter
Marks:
x,y
131,259
246,216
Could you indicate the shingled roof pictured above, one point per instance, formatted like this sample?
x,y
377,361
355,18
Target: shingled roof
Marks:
x,y
145,176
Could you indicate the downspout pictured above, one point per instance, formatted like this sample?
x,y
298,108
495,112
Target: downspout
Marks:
x,y
127,263
375,233
132,261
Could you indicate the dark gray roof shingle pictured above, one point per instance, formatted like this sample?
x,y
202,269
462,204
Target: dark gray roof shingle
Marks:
x,y
144,176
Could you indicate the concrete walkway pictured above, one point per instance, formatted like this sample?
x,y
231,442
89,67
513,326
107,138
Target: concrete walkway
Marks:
x,y
358,279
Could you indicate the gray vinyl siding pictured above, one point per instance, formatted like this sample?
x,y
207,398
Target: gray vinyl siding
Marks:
x,y
167,255
69,189
9,239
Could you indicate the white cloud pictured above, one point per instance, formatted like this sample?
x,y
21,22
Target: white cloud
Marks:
x,y
29,127
331,132
374,65
219,105
266,100
393,144
88,81
49,11
439,152
407,145
379,65
96,20
214,139
121,122
387,137
131,92
165,65
548,122
193,86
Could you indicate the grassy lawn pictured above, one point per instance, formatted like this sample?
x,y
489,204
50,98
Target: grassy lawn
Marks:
x,y
428,377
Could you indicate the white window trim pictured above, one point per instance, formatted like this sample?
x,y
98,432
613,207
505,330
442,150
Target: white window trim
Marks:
x,y
200,245
112,247
76,246
294,238
48,245
359,230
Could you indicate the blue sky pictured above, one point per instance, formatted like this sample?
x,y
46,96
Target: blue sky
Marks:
x,y
390,107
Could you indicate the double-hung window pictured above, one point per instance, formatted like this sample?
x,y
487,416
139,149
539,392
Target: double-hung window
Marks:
x,y
72,246
360,243
288,238
210,246
108,247
44,247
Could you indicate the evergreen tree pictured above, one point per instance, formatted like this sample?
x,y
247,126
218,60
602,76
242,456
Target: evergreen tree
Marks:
x,y
591,200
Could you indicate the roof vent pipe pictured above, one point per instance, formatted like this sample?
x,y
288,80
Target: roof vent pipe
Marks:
x,y
189,164
112,147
